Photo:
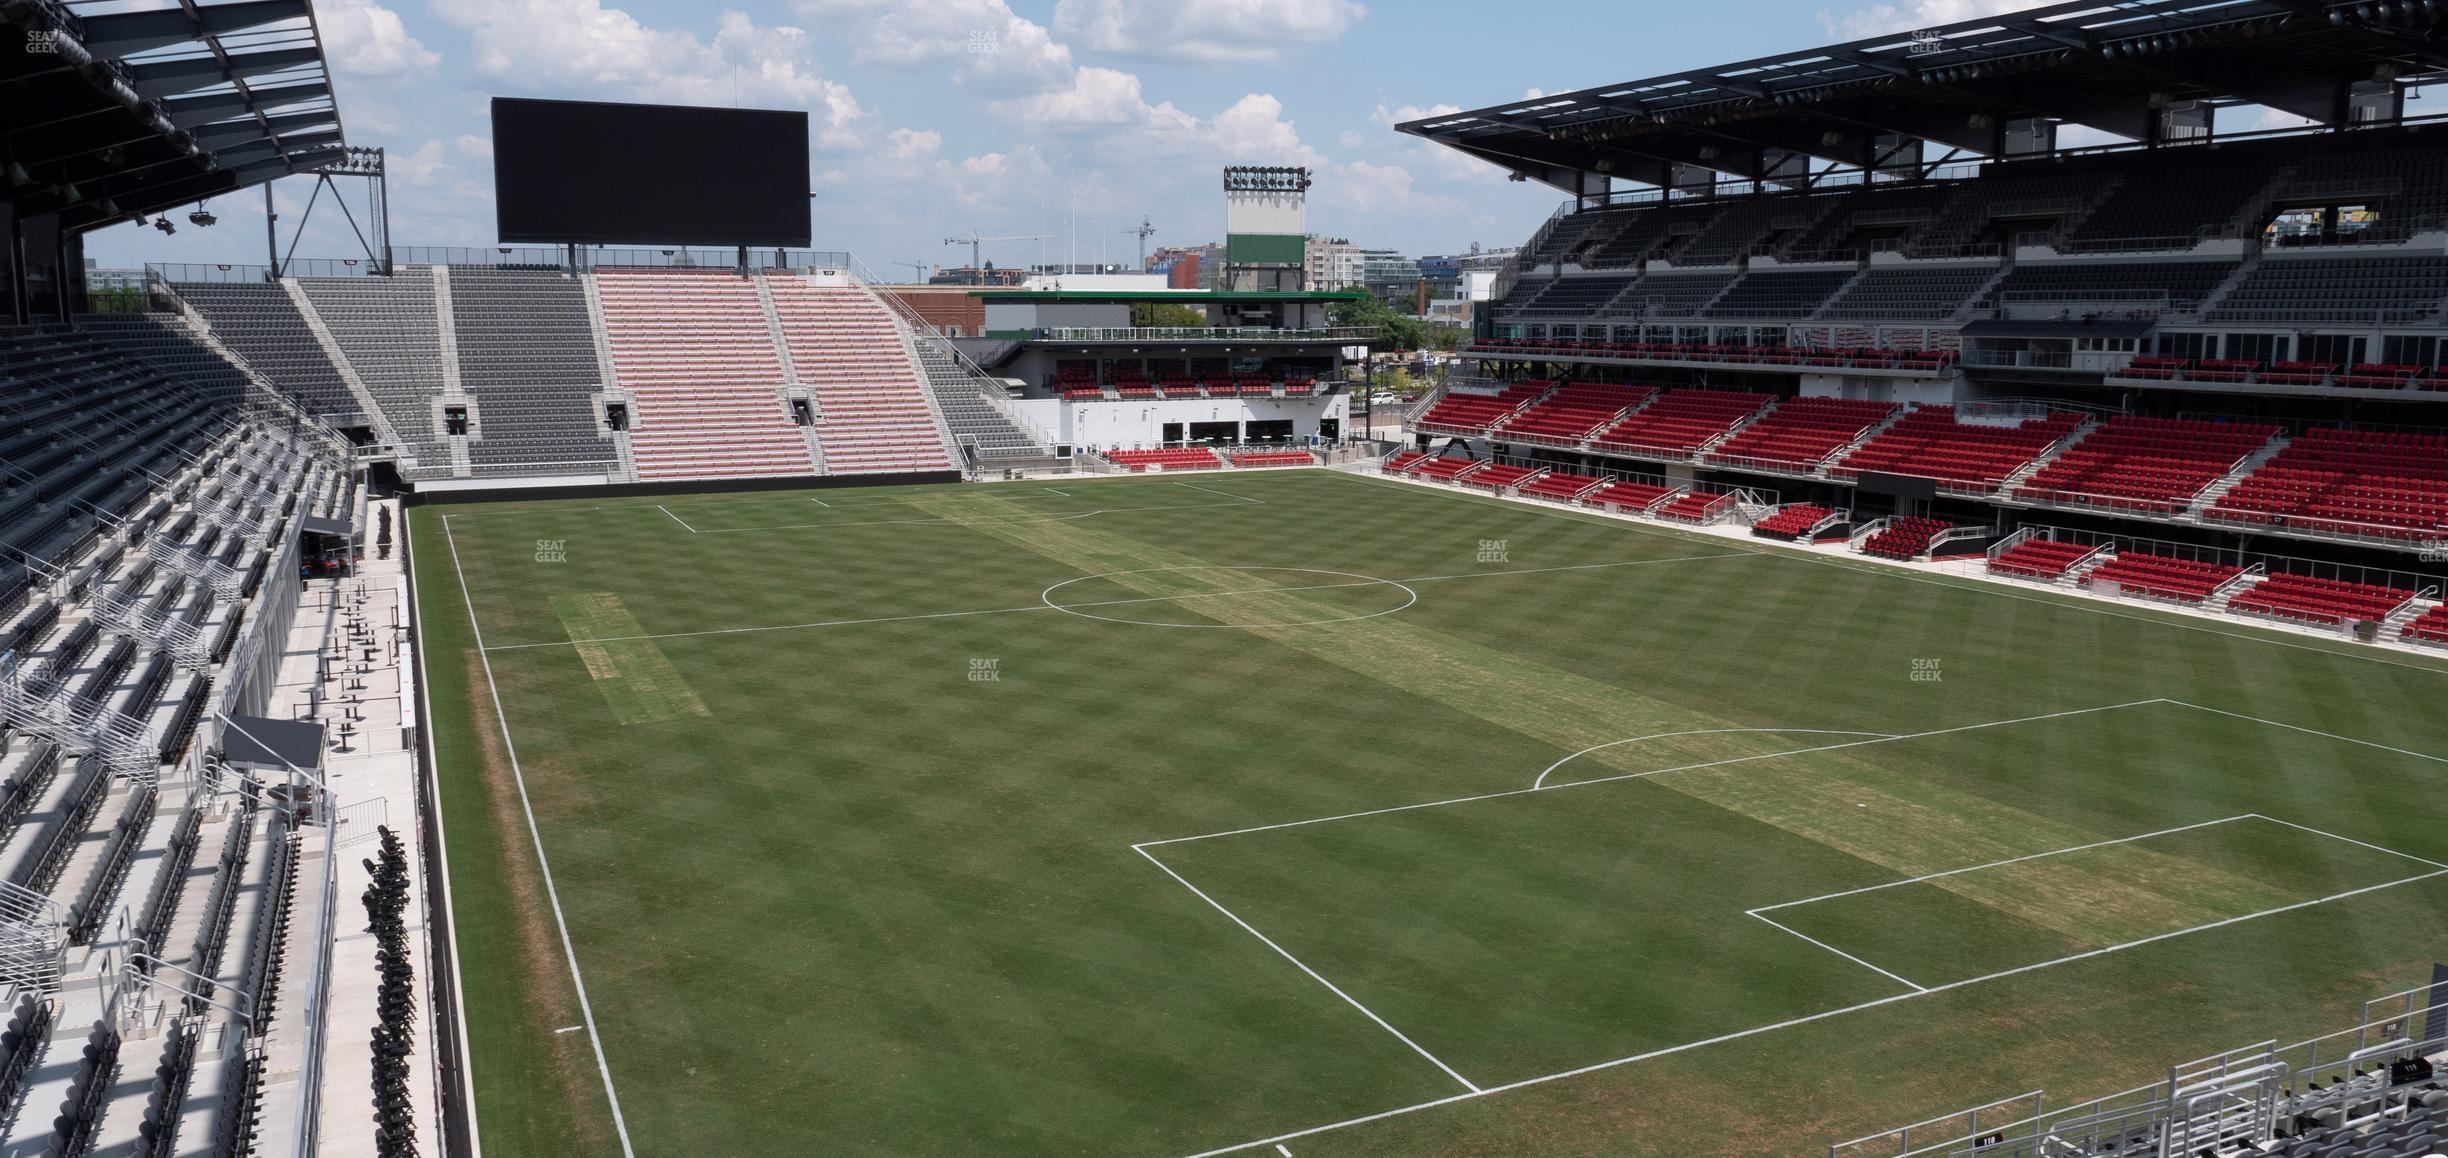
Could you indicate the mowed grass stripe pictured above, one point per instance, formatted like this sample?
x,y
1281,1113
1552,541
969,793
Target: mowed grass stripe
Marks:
x,y
1838,799
635,677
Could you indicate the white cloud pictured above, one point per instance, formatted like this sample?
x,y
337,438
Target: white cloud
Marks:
x,y
564,44
1883,18
475,146
1390,116
1095,98
912,144
367,39
990,46
1208,30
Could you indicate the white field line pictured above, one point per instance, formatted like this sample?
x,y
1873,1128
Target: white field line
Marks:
x,y
1974,586
1052,491
675,518
620,1126
2010,860
1041,606
1909,984
2351,840
1542,776
1226,494
1806,1019
820,502
1280,1148
2312,732
1313,974
1641,775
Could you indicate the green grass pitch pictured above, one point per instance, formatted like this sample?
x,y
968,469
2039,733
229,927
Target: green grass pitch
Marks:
x,y
1146,817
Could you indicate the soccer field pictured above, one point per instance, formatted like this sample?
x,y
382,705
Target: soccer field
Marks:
x,y
1317,814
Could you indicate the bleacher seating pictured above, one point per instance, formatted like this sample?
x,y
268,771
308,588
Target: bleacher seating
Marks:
x,y
1401,462
2430,627
2152,465
1918,291
1904,537
2089,287
1672,294
1681,421
2311,599
1625,494
1273,458
2163,576
694,351
1476,412
1798,433
1792,521
1559,485
2390,290
1499,477
527,357
1931,443
2037,558
1780,293
259,322
1575,296
2348,482
1692,507
1574,411
111,668
846,348
1451,468
1170,458
388,336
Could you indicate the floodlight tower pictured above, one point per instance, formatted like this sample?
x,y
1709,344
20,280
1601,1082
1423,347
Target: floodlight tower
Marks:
x,y
1144,230
1266,227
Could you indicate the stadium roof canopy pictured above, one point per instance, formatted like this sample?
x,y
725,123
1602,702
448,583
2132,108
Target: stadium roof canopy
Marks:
x,y
2114,67
126,107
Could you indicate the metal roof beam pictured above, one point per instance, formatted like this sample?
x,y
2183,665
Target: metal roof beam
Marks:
x,y
164,78
117,34
223,133
190,111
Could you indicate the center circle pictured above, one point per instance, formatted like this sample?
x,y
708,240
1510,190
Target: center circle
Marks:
x,y
1129,608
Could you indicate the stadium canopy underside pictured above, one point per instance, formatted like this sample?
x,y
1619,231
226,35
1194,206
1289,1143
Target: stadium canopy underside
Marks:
x,y
125,109
2152,71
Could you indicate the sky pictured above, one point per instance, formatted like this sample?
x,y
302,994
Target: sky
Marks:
x,y
931,118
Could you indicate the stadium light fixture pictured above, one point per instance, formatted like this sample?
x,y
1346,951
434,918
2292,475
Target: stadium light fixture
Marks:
x,y
202,216
163,224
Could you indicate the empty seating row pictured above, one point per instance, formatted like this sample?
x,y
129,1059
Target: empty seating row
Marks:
x,y
2312,599
2040,558
1931,442
2153,465
1575,410
1474,413
1681,422
1792,521
1799,433
1169,458
2163,576
1904,537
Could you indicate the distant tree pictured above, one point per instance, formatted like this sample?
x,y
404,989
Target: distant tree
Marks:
x,y
116,300
1166,315
1401,330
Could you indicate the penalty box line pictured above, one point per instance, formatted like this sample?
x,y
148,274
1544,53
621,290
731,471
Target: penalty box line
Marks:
x,y
1806,1019
1143,850
2439,870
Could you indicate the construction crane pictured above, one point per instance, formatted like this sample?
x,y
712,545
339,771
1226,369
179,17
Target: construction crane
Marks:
x,y
918,270
1144,230
977,242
